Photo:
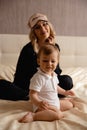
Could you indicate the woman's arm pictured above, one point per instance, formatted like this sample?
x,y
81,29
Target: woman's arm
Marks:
x,y
58,69
26,67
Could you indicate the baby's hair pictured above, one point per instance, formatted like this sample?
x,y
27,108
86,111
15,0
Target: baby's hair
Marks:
x,y
48,49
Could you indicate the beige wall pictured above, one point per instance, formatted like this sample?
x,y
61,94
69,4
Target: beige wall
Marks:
x,y
69,17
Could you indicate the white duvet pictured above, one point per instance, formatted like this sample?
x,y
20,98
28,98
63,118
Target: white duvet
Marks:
x,y
75,119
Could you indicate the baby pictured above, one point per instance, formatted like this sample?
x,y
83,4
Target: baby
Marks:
x,y
44,88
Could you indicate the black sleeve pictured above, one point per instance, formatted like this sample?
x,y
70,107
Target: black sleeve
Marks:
x,y
26,67
58,69
57,46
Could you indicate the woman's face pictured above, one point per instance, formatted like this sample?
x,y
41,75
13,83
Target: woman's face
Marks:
x,y
42,30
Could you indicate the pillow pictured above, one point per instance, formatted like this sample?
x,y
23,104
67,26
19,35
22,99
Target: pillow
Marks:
x,y
7,72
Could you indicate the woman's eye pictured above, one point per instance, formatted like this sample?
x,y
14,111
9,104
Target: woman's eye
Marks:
x,y
44,24
37,27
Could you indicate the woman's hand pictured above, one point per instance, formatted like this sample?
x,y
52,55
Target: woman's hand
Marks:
x,y
50,40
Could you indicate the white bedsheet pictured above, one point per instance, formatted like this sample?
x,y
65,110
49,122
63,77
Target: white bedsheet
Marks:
x,y
79,76
75,119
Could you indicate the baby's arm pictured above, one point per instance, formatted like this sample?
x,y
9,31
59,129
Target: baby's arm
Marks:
x,y
42,105
65,92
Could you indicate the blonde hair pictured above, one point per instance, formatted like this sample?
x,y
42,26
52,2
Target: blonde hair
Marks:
x,y
33,37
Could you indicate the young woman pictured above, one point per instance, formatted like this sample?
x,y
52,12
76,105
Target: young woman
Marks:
x,y
41,31
44,88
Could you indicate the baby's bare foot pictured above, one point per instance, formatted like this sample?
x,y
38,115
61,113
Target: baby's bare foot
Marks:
x,y
60,115
27,118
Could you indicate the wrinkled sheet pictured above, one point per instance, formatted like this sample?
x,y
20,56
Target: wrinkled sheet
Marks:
x,y
75,119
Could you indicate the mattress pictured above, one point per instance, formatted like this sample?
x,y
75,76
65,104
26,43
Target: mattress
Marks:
x,y
75,118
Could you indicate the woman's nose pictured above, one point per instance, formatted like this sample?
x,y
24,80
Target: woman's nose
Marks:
x,y
42,27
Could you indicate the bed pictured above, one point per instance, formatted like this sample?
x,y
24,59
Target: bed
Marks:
x,y
73,62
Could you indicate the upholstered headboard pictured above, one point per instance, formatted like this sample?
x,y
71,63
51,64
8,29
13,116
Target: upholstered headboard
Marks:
x,y
73,49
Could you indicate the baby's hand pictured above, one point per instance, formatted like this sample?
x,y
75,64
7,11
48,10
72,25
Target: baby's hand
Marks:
x,y
43,105
69,92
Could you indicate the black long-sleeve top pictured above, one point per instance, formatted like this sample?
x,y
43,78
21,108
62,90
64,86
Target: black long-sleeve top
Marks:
x,y
27,66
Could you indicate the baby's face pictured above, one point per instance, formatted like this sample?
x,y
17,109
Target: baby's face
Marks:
x,y
49,62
